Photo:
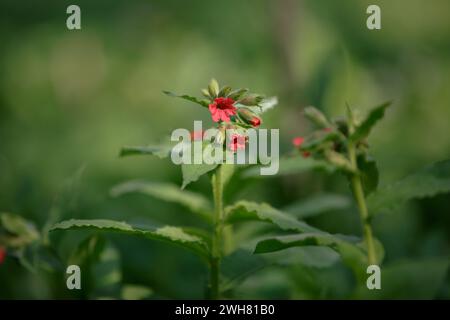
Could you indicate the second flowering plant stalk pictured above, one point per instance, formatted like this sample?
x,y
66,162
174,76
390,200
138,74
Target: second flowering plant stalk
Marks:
x,y
343,145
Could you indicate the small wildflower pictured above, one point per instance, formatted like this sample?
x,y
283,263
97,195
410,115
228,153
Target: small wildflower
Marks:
x,y
221,109
237,142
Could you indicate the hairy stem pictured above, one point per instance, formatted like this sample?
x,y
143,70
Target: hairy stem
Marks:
x,y
358,193
216,252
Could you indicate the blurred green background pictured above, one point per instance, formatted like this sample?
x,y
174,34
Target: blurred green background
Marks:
x,y
70,99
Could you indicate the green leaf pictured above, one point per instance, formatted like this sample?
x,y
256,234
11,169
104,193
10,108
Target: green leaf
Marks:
x,y
408,279
136,292
427,182
292,165
238,266
202,102
369,173
20,232
363,130
161,151
305,239
101,266
251,211
170,234
351,252
318,204
192,172
168,192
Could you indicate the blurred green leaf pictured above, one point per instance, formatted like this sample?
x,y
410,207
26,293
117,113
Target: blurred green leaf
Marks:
x,y
170,234
318,204
409,279
427,182
251,211
363,130
202,102
161,151
136,292
19,232
240,265
168,192
101,266
191,172
351,252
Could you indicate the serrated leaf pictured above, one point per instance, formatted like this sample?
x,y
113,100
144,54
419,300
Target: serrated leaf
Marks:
x,y
292,165
170,234
202,102
168,192
352,253
427,182
192,172
161,151
363,130
251,211
368,169
318,204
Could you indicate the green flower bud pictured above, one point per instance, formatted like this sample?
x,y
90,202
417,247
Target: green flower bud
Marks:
x,y
237,94
224,91
251,100
317,117
205,92
213,88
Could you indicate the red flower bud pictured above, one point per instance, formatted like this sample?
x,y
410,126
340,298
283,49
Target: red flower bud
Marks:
x,y
2,254
297,141
249,117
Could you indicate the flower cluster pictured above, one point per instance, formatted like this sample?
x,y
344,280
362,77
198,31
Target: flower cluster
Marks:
x,y
234,112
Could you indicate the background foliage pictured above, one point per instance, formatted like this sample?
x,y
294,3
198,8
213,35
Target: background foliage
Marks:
x,y
70,99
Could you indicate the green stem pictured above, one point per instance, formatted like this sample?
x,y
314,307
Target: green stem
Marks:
x,y
216,252
358,193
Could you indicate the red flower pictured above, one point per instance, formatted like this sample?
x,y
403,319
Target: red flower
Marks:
x,y
221,109
2,254
297,142
237,142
